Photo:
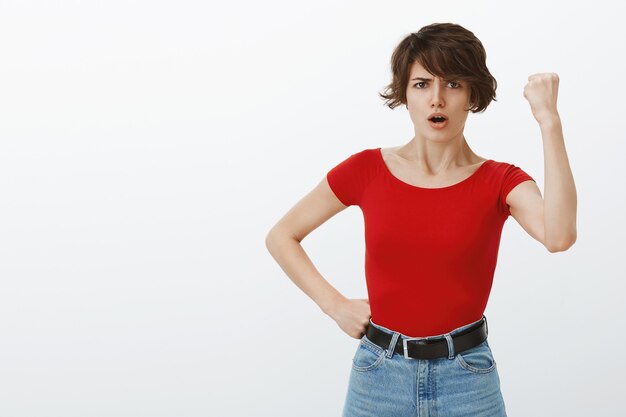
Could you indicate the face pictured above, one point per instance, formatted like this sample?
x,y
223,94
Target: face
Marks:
x,y
427,94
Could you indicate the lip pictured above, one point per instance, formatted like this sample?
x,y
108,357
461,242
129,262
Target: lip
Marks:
x,y
437,114
438,125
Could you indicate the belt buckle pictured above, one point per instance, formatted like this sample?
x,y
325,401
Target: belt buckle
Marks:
x,y
404,344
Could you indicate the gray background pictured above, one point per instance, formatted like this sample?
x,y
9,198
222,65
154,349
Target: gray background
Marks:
x,y
147,147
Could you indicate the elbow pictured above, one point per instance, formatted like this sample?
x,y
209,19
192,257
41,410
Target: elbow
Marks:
x,y
269,240
562,245
274,239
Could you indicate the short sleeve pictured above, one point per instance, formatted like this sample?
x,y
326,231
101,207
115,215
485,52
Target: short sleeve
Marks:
x,y
513,176
349,178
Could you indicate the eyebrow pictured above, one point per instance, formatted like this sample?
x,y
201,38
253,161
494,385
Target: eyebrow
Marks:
x,y
428,79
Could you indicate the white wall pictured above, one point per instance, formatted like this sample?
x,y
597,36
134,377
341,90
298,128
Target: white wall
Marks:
x,y
147,147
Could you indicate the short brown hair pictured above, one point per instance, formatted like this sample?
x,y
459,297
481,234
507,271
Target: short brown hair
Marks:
x,y
448,51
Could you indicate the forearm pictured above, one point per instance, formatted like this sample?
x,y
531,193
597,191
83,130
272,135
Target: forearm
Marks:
x,y
560,191
294,261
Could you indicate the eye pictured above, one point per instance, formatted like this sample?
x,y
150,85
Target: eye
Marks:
x,y
455,86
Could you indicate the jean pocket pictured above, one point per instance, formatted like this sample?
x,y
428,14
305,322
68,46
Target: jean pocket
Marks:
x,y
368,356
478,359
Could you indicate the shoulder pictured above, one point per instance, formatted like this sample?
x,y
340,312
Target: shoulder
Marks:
x,y
504,175
508,175
368,153
502,168
349,178
500,164
362,159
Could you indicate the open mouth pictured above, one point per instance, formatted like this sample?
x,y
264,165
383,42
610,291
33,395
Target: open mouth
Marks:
x,y
437,119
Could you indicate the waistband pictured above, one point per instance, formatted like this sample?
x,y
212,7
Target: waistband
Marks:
x,y
438,336
429,347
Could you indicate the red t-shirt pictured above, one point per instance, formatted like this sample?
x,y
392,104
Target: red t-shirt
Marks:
x,y
430,253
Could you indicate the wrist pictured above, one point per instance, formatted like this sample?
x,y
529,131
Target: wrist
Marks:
x,y
330,306
549,121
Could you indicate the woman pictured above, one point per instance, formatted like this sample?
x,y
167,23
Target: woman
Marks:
x,y
433,212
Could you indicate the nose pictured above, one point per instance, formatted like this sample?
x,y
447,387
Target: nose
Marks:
x,y
437,99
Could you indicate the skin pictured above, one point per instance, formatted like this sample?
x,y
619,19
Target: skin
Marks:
x,y
435,158
550,220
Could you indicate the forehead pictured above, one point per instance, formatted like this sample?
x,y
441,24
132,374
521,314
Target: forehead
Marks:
x,y
418,70
417,67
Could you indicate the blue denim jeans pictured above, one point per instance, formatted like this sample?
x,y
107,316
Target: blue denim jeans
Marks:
x,y
384,383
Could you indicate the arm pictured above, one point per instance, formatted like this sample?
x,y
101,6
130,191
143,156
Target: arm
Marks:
x,y
283,243
551,220
560,191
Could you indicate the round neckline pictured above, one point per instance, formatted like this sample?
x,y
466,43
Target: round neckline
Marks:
x,y
390,174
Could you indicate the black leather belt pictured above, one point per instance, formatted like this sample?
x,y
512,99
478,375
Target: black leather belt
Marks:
x,y
433,346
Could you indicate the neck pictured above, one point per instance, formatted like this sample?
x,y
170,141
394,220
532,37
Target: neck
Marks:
x,y
438,156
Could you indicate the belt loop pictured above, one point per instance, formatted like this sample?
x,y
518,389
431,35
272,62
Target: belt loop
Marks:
x,y
450,345
392,345
486,326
